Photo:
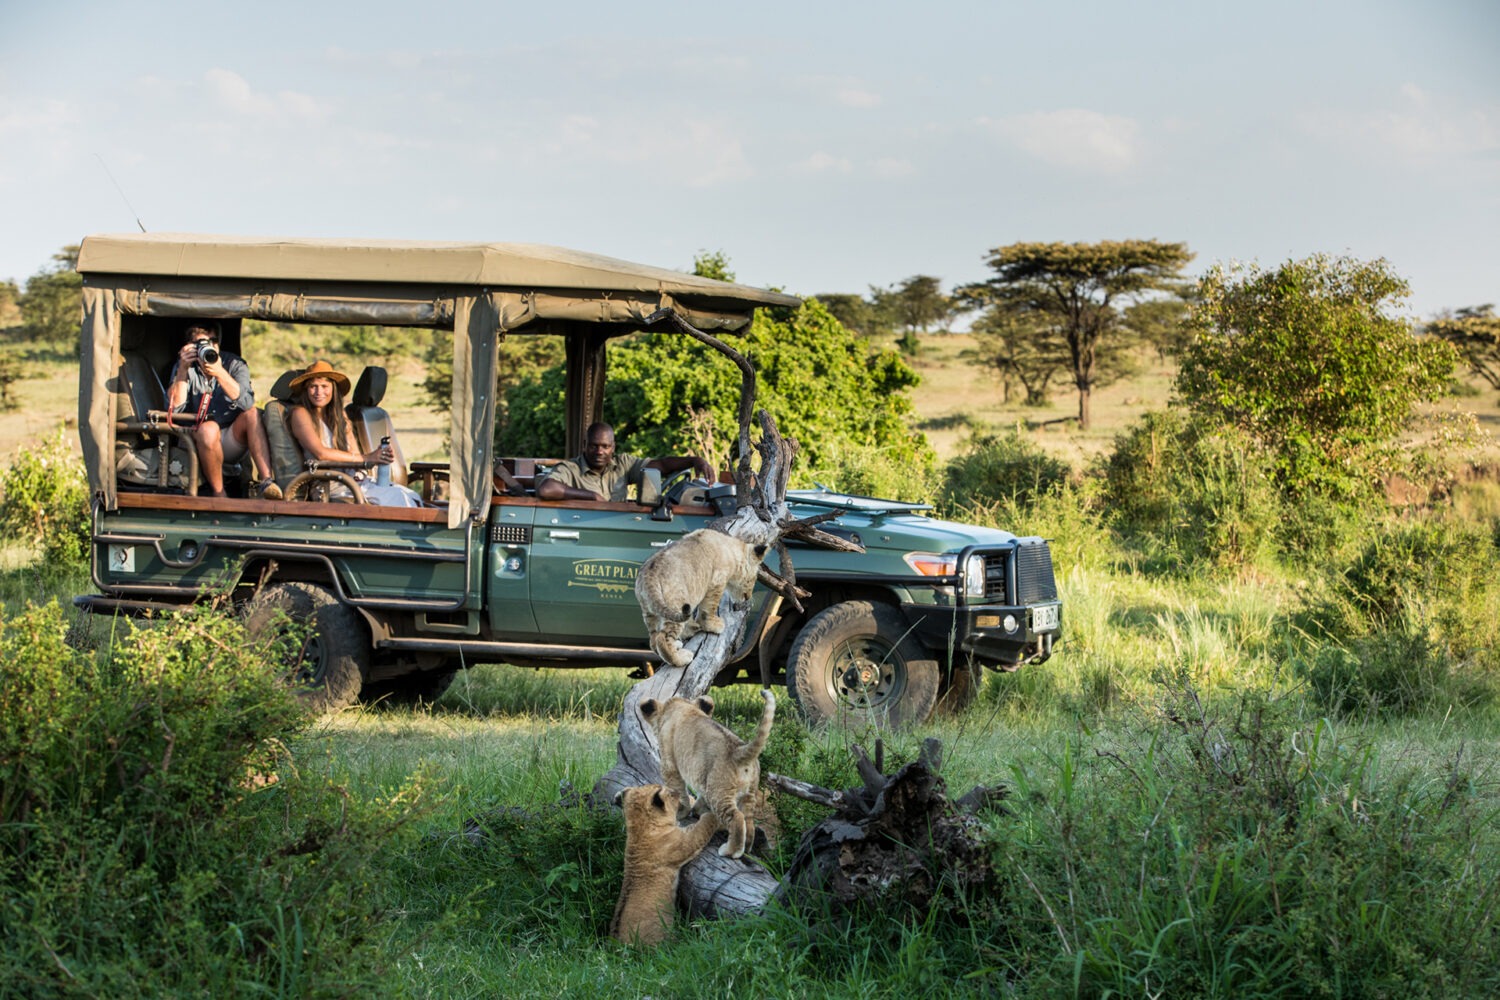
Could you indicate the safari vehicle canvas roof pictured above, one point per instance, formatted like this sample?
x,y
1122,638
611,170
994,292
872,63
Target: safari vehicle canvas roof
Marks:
x,y
478,290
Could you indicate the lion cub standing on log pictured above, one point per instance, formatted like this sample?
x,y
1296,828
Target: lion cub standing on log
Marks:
x,y
679,587
656,848
697,753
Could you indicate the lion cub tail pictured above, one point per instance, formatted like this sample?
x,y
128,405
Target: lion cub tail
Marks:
x,y
752,750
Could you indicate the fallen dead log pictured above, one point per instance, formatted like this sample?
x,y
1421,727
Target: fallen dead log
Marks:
x,y
893,839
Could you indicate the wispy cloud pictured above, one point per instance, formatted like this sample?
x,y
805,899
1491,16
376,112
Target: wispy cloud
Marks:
x,y
696,153
1417,126
825,163
893,167
234,93
857,97
39,116
1074,138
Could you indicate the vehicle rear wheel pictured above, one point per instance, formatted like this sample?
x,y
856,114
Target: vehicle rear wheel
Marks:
x,y
855,663
409,690
327,651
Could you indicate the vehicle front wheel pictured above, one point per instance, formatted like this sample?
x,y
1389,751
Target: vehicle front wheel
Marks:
x,y
326,649
856,662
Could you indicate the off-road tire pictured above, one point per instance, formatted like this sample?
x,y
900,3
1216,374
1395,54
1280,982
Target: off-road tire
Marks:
x,y
856,663
329,666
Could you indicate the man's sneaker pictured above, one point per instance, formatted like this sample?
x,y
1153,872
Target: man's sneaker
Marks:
x,y
267,489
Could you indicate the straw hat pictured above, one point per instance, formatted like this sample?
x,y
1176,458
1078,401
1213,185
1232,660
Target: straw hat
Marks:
x,y
322,369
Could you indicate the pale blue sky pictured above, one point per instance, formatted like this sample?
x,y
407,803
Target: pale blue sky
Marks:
x,y
822,146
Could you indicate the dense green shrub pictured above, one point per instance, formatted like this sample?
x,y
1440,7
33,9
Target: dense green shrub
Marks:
x,y
1006,466
668,394
1310,360
156,837
1415,564
1398,669
1411,621
875,472
44,501
1203,491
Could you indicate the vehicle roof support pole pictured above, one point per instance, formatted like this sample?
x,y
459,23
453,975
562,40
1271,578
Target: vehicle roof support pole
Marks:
x,y
585,388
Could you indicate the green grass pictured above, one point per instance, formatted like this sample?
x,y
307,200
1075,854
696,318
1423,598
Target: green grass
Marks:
x,y
1186,818
1226,783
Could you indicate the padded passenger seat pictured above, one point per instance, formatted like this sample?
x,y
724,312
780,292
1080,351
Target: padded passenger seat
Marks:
x,y
371,422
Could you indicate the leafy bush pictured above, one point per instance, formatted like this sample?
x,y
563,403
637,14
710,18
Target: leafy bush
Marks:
x,y
873,472
1308,360
1204,491
1006,466
155,835
1413,621
44,501
825,387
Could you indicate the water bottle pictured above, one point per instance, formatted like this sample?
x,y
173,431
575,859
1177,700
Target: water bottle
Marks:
x,y
383,470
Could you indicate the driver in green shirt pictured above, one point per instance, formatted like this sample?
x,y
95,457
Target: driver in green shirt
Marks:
x,y
602,474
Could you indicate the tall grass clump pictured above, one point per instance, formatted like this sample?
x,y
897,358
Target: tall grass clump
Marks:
x,y
156,835
1199,492
1412,622
1248,855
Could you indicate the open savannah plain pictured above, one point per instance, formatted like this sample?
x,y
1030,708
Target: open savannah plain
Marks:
x,y
1251,769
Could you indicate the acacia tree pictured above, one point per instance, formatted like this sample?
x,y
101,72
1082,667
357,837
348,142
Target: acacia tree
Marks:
x,y
52,304
1474,332
1310,361
920,305
1080,290
1020,348
858,314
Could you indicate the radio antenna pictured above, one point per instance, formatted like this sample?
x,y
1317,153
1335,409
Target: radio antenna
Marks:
x,y
119,189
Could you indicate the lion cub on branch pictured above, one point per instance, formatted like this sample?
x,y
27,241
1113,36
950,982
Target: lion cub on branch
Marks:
x,y
656,848
699,754
679,587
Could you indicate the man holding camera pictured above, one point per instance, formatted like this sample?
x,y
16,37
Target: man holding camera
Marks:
x,y
214,386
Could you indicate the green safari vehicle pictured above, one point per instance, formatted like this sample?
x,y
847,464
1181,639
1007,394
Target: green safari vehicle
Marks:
x,y
396,600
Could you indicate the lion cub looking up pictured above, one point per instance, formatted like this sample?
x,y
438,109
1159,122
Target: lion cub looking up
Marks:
x,y
697,753
656,848
679,587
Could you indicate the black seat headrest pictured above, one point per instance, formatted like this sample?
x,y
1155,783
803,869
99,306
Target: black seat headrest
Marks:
x,y
282,390
370,389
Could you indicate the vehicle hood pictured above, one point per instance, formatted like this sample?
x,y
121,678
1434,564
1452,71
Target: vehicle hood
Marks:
x,y
876,523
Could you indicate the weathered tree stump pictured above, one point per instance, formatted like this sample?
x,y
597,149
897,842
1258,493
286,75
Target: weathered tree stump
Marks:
x,y
894,839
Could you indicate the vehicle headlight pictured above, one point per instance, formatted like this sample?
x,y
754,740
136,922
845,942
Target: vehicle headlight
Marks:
x,y
974,576
932,563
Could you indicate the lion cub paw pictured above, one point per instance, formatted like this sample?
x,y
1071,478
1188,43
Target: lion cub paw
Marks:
x,y
712,624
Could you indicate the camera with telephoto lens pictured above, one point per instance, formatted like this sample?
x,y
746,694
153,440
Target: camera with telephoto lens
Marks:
x,y
208,354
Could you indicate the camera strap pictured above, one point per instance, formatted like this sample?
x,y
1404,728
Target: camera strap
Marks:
x,y
203,400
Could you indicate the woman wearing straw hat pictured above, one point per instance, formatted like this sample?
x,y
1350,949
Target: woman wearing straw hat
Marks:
x,y
318,422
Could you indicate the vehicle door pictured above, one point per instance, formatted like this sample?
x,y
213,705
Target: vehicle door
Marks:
x,y
508,566
585,557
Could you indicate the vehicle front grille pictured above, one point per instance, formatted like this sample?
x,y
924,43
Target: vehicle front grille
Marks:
x,y
1035,580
